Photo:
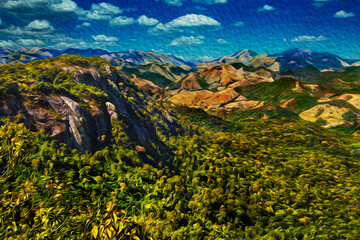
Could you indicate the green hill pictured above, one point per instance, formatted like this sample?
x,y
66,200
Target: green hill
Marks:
x,y
200,177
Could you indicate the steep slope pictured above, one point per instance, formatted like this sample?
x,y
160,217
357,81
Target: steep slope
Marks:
x,y
238,91
292,60
80,101
127,58
134,57
213,88
297,58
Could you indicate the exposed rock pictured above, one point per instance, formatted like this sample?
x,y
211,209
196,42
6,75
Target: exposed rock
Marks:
x,y
111,110
147,86
353,99
330,113
190,98
221,97
140,148
245,105
191,82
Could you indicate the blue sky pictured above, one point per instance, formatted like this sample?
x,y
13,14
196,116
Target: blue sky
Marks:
x,y
191,29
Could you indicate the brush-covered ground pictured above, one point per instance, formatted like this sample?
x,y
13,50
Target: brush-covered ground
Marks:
x,y
205,177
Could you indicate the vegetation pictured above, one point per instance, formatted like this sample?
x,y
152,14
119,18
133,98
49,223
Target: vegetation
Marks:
x,y
269,180
249,179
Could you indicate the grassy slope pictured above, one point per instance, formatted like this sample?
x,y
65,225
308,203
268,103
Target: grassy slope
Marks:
x,y
254,179
276,179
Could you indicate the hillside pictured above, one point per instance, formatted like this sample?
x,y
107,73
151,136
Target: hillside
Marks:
x,y
87,154
238,91
79,101
289,60
127,58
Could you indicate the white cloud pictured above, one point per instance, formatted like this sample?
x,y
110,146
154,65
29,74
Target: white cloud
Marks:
x,y
103,38
174,2
106,8
222,41
122,21
102,11
239,24
86,24
54,5
343,14
309,39
210,2
34,28
39,25
179,3
266,8
72,43
186,41
146,21
7,44
22,43
185,23
65,6
11,4
30,42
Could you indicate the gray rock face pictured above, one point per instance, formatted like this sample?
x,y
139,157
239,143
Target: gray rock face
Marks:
x,y
88,127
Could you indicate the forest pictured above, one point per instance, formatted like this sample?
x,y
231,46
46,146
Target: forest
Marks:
x,y
198,177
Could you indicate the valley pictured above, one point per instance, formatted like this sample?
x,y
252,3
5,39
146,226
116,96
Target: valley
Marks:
x,y
141,145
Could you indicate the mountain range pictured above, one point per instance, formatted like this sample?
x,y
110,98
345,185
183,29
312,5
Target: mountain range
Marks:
x,y
156,150
288,60
313,86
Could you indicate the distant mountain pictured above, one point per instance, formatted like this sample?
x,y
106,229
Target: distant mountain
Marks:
x,y
290,60
129,58
297,58
134,57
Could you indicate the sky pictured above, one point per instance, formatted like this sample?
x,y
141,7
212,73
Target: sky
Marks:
x,y
189,29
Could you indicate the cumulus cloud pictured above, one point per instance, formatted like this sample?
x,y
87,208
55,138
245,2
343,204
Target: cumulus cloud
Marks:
x,y
210,2
65,6
266,8
22,43
343,14
179,3
39,25
174,2
103,38
122,21
186,41
146,21
222,41
67,42
54,5
34,28
187,23
309,39
30,43
86,24
239,24
102,11
11,4
7,44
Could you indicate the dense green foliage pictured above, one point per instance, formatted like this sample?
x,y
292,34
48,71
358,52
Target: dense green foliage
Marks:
x,y
346,81
240,179
264,180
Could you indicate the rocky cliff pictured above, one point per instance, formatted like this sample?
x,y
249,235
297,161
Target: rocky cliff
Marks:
x,y
81,102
